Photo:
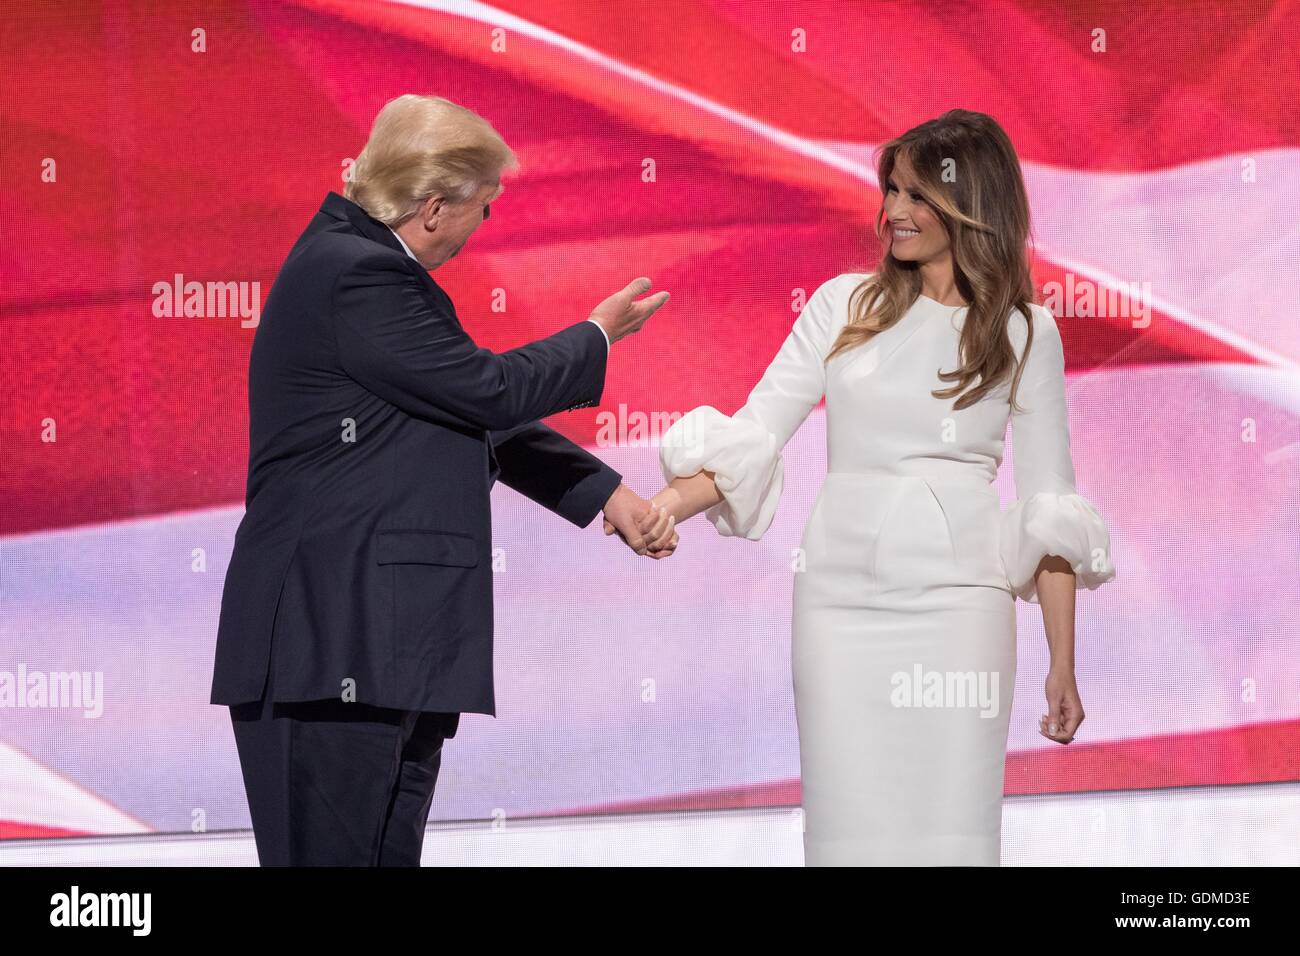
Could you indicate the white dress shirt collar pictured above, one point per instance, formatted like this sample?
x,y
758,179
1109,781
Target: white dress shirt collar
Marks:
x,y
403,242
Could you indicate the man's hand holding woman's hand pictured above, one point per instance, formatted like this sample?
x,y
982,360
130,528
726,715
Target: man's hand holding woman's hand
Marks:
x,y
647,531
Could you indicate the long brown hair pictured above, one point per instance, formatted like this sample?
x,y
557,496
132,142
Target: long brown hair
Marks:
x,y
985,210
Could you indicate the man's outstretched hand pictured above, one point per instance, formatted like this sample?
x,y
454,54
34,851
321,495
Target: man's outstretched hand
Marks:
x,y
620,316
647,531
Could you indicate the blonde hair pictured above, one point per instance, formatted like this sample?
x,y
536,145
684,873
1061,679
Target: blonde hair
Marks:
x,y
985,211
423,146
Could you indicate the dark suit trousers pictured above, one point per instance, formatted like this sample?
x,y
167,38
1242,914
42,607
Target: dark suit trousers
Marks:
x,y
331,783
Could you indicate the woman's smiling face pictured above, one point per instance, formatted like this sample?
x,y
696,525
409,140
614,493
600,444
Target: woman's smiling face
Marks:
x,y
914,232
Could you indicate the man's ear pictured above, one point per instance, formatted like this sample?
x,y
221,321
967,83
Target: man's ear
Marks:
x,y
433,207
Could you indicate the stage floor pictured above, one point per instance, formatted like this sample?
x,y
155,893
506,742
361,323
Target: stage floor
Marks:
x,y
1209,826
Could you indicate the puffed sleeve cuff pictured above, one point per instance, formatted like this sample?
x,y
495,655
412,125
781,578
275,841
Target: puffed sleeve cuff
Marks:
x,y
1060,524
744,458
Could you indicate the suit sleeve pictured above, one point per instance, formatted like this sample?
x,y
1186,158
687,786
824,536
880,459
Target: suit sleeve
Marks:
x,y
543,465
404,346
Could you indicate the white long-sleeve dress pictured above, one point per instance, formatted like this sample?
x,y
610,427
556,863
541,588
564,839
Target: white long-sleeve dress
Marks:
x,y
904,631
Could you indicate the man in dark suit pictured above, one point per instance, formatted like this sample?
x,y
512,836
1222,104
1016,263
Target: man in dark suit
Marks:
x,y
356,620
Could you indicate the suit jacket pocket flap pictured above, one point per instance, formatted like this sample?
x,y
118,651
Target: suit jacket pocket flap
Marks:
x,y
425,547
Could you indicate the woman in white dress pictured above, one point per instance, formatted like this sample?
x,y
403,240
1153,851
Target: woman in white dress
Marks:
x,y
904,642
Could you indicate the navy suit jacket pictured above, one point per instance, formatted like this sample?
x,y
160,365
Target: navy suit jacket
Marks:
x,y
377,428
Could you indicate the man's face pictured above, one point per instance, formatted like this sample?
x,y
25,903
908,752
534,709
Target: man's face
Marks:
x,y
441,228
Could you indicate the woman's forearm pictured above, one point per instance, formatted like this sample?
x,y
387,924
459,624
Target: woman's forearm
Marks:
x,y
1056,586
686,497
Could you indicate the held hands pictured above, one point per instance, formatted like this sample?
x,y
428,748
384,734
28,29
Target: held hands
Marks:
x,y
650,527
646,530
